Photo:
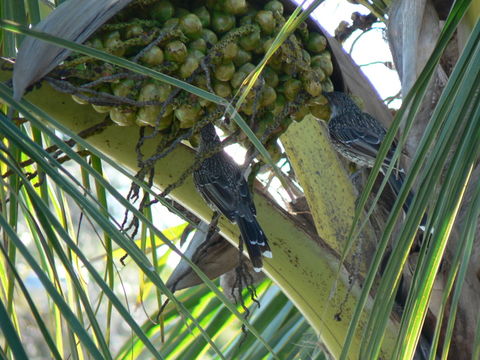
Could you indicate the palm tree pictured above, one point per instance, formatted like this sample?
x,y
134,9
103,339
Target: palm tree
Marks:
x,y
55,189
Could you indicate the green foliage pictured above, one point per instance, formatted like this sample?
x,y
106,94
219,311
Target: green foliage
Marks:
x,y
61,209
60,218
453,128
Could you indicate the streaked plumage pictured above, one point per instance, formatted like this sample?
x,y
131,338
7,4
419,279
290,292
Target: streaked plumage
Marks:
x,y
221,183
358,136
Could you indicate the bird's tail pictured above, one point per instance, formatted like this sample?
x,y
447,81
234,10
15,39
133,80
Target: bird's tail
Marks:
x,y
396,181
255,241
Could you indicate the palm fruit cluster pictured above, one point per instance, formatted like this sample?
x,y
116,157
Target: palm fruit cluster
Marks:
x,y
213,45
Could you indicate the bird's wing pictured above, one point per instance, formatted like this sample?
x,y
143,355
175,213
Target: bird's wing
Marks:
x,y
365,142
359,140
216,187
246,196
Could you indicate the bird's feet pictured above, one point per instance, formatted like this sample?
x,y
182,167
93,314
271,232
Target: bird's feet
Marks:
x,y
212,228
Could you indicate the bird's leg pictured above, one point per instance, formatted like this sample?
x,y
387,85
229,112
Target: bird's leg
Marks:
x,y
357,176
239,278
213,224
244,275
358,179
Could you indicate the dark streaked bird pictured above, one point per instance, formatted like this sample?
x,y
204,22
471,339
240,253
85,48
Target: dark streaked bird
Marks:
x,y
221,183
358,136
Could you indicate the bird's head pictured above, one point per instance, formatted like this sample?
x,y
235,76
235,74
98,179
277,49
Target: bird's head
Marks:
x,y
340,103
209,135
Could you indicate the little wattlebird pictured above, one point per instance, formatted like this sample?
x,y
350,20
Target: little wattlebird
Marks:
x,y
221,183
357,136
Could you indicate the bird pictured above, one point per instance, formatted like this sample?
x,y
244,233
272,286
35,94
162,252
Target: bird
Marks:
x,y
358,136
220,181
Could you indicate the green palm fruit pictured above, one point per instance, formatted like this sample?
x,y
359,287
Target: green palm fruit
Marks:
x,y
235,7
306,57
269,95
302,32
317,73
327,85
276,62
279,105
317,60
133,31
209,36
222,89
204,15
176,51
319,107
106,89
79,100
267,22
102,109
224,72
323,61
290,68
321,112
222,22
189,66
242,57
318,100
191,26
251,41
196,54
267,44
230,51
237,79
171,23
313,87
154,91
298,70
248,107
198,44
274,6
270,76
316,43
123,88
154,56
301,112
187,115
214,5
95,43
200,81
162,11
150,116
114,44
123,115
248,19
291,88
247,68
